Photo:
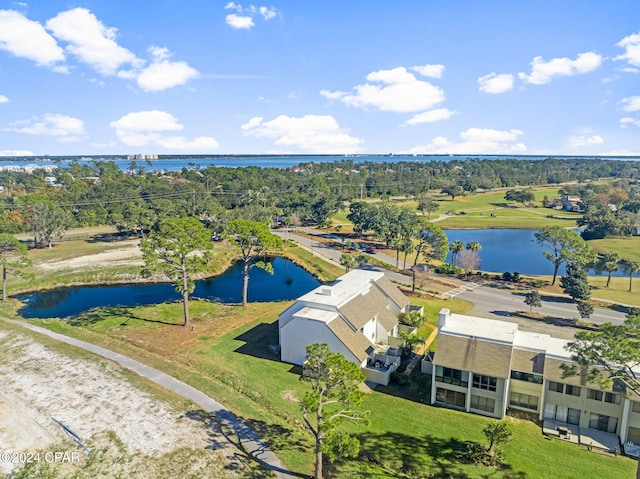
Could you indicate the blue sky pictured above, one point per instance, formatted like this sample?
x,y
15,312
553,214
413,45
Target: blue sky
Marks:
x,y
439,76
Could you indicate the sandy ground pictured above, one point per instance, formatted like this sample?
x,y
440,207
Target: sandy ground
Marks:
x,y
95,400
127,253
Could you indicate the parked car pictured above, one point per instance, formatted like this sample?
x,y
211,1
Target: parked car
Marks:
x,y
370,249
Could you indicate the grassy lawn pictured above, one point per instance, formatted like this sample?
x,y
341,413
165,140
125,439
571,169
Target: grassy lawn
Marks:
x,y
480,206
231,356
627,248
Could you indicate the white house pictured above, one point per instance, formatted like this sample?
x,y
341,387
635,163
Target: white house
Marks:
x,y
356,316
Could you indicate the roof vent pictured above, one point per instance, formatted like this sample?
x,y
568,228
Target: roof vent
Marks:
x,y
326,292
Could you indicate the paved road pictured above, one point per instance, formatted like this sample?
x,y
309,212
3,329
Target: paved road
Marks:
x,y
246,440
488,302
497,303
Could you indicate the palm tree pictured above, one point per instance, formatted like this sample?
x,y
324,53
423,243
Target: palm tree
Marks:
x,y
608,262
407,248
456,247
397,245
348,262
630,267
474,246
361,260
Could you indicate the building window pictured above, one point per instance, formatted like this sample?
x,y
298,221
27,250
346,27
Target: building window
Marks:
x,y
612,398
487,383
573,416
452,398
635,406
594,394
572,390
556,387
562,414
483,404
603,423
524,401
527,377
452,376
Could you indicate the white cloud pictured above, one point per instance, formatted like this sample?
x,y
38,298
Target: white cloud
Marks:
x,y
542,72
4,99
333,95
153,120
243,18
627,120
431,116
28,39
268,13
432,71
620,153
144,128
239,21
16,153
400,92
494,83
66,128
163,74
631,103
310,133
580,141
631,44
91,41
475,141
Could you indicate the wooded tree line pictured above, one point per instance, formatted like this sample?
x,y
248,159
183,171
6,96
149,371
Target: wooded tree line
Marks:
x,y
100,193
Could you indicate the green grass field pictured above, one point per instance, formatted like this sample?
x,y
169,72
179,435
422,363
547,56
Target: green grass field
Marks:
x,y
480,206
627,248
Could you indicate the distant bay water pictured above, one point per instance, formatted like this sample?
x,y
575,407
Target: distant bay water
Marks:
x,y
277,161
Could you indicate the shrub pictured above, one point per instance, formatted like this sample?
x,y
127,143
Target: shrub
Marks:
x,y
448,269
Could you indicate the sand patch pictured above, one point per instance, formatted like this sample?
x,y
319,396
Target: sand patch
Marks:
x,y
127,253
93,397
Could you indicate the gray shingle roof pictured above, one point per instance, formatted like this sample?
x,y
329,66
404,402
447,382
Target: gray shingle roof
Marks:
x,y
475,355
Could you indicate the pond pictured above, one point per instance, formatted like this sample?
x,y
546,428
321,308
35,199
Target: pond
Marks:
x,y
508,250
288,282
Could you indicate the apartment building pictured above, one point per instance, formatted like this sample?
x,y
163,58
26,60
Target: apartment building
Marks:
x,y
487,366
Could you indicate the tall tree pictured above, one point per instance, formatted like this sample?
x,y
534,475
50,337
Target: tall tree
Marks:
x,y
630,267
49,222
348,261
474,246
253,239
609,262
334,397
576,283
13,259
456,247
563,246
432,242
427,204
609,355
178,248
468,260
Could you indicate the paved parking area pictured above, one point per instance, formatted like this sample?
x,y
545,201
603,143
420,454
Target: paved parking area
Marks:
x,y
459,290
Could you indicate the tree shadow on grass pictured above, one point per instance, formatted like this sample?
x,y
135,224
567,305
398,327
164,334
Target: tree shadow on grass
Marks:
x,y
403,456
261,341
224,428
95,316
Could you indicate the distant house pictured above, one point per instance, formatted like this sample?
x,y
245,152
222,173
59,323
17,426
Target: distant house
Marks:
x,y
50,180
566,202
486,366
357,316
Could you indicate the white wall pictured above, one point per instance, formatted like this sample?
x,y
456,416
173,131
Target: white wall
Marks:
x,y
298,333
